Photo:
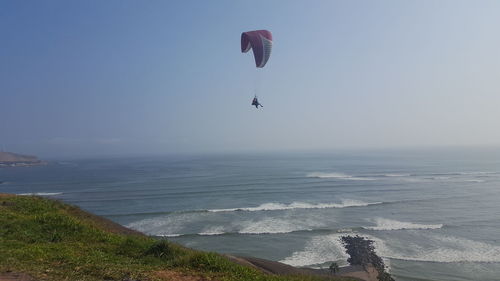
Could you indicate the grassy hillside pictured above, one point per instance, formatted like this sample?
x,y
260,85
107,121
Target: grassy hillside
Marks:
x,y
50,240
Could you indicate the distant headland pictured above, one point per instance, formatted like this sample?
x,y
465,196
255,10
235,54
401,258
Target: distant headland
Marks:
x,y
9,159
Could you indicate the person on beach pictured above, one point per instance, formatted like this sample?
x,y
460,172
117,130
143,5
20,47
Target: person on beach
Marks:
x,y
255,102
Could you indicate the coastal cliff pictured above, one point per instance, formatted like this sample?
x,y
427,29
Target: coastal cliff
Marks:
x,y
9,159
44,239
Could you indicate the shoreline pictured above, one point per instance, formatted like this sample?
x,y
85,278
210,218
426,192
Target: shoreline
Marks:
x,y
278,268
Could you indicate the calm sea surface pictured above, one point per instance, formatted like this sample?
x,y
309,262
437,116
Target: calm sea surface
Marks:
x,y
434,214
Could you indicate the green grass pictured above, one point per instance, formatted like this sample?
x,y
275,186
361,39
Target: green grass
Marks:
x,y
50,240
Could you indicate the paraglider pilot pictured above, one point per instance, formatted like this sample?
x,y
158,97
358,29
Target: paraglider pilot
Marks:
x,y
255,102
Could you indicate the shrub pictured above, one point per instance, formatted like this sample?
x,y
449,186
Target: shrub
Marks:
x,y
131,247
161,249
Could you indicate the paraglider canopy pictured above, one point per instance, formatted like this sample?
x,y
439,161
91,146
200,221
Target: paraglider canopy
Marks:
x,y
261,42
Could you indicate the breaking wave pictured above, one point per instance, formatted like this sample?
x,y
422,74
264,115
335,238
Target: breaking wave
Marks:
x,y
387,224
215,230
394,175
475,180
185,226
471,173
169,235
341,176
404,176
41,193
249,231
299,205
165,226
276,225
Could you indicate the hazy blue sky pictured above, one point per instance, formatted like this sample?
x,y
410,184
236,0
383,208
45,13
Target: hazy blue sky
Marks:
x,y
121,77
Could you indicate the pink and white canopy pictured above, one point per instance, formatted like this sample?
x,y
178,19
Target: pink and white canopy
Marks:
x,y
261,42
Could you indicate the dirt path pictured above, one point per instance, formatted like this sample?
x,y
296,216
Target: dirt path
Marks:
x,y
14,276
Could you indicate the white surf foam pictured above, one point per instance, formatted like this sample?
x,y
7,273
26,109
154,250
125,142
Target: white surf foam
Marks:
x,y
214,230
479,173
299,205
445,249
387,224
164,225
474,180
271,225
341,176
41,193
440,178
318,250
397,175
210,233
169,235
466,173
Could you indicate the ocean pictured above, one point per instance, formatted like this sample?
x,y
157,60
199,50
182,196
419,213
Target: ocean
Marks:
x,y
434,214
